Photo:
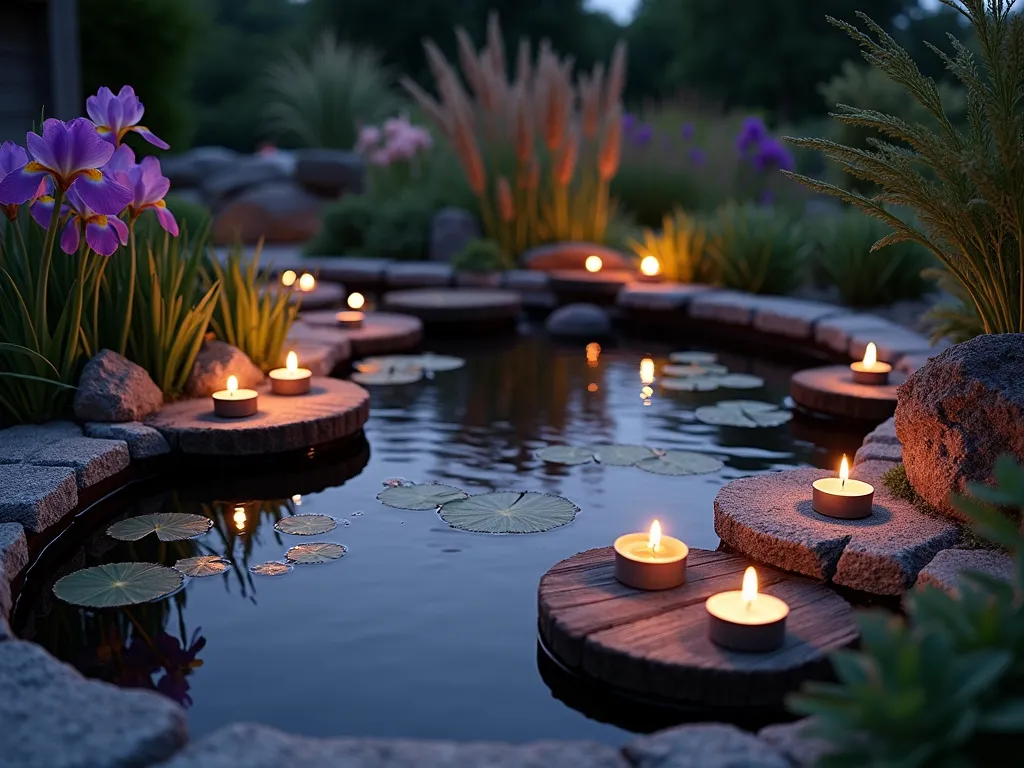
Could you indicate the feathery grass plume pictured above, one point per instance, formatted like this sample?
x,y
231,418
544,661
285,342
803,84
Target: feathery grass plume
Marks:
x,y
506,209
565,165
963,184
495,45
616,77
524,126
524,69
590,101
611,146
470,64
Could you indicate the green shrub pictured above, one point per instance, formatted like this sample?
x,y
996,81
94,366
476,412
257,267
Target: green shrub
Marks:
x,y
756,249
954,318
945,687
365,225
679,248
481,256
345,225
866,277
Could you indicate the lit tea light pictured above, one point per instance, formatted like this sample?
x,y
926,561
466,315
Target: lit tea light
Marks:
x,y
842,497
593,264
745,620
870,370
234,403
288,278
297,499
356,300
650,266
593,354
239,518
352,318
307,282
650,560
290,380
647,371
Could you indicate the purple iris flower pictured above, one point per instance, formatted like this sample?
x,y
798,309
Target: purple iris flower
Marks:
x,y
116,116
752,133
697,157
13,158
71,155
628,122
687,131
103,232
771,154
146,183
643,135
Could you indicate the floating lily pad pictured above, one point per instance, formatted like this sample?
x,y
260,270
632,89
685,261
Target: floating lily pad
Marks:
x,y
509,512
310,554
202,566
271,568
691,384
680,371
420,495
621,455
389,375
306,525
168,526
680,463
693,357
428,361
117,584
743,413
740,381
566,454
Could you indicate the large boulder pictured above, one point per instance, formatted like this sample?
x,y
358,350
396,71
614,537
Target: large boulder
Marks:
x,y
958,413
191,168
113,388
221,186
329,172
579,321
451,230
277,211
215,362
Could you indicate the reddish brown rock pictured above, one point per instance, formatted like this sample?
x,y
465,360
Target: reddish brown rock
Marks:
x,y
946,569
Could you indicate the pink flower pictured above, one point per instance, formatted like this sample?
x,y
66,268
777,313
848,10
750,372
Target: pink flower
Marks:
x,y
369,137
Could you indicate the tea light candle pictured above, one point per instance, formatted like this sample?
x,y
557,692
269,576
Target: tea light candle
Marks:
x,y
290,380
746,620
869,370
307,282
352,318
593,263
650,560
234,403
842,497
650,268
288,278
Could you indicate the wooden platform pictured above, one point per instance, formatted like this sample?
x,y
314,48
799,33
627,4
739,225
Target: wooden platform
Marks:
x,y
382,333
655,645
831,390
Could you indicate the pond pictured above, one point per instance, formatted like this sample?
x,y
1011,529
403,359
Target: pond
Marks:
x,y
420,630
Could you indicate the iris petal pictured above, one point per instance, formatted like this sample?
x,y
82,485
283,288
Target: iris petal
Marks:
x,y
50,149
120,228
102,238
167,220
69,238
12,157
102,195
96,106
88,149
42,211
151,137
20,186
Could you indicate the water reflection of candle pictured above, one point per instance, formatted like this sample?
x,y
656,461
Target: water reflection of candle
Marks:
x,y
297,499
647,371
650,560
746,620
593,354
239,518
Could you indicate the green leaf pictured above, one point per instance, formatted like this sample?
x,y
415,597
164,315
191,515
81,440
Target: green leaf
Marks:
x,y
319,552
509,512
748,414
306,525
566,454
117,584
270,568
680,463
1006,716
202,566
168,526
420,496
620,455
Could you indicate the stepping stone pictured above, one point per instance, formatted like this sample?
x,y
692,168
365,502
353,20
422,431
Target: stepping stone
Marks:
x,y
143,442
470,309
729,307
664,297
54,717
892,452
802,749
418,275
324,295
914,360
769,518
319,348
13,559
36,497
356,270
578,285
478,279
892,346
579,321
18,441
946,568
93,460
793,318
524,280
836,333
382,333
703,745
573,256
831,390
883,433
332,410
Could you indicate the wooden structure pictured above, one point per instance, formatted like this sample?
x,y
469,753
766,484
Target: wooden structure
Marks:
x,y
832,391
382,333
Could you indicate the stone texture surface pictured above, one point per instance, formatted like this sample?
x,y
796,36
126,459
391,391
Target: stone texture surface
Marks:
x,y
36,497
319,348
659,296
572,256
189,169
832,390
323,295
455,305
892,344
255,746
879,452
383,333
793,318
13,558
216,361
245,172
769,518
54,718
418,274
730,307
883,433
451,230
143,442
578,284
958,413
835,332
945,568
92,460
478,279
113,388
524,280
332,410
710,745
802,749
352,269
579,320
329,172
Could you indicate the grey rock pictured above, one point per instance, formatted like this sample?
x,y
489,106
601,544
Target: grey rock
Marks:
x,y
92,460
113,388
958,413
707,745
892,344
793,318
330,172
54,718
419,274
730,307
946,569
835,332
802,749
19,441
215,362
478,279
451,230
319,348
579,320
664,297
524,280
13,558
352,269
883,433
6,633
879,452
143,442
256,746
36,497
571,255
243,173
189,169
278,211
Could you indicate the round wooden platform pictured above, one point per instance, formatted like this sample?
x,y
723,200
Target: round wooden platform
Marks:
x,y
468,310
578,285
831,390
383,333
322,296
655,644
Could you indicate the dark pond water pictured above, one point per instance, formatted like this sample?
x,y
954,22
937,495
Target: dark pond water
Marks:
x,y
420,630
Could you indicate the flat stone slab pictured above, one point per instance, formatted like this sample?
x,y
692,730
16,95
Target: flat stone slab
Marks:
x,y
332,410
578,282
93,460
729,307
793,740
13,559
703,745
348,269
769,519
257,746
54,717
792,318
659,296
883,433
456,305
836,333
524,280
383,333
324,295
319,348
879,452
478,279
946,568
143,442
17,441
418,274
892,346
36,497
832,390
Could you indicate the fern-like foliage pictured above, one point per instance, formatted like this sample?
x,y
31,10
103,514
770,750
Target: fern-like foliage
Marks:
x,y
966,185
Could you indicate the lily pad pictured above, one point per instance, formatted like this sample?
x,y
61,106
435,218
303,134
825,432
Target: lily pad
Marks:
x,y
306,525
680,463
566,454
509,512
310,554
749,414
271,568
389,375
621,455
427,361
741,381
680,371
202,566
691,384
693,357
168,526
420,495
117,584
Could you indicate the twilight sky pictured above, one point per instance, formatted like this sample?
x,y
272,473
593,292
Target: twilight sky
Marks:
x,y
622,10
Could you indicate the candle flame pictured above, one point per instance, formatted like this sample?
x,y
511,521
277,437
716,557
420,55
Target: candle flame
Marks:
x,y
870,355
239,518
292,362
356,301
650,266
288,278
749,593
307,282
297,499
647,371
844,470
593,264
655,537
232,383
